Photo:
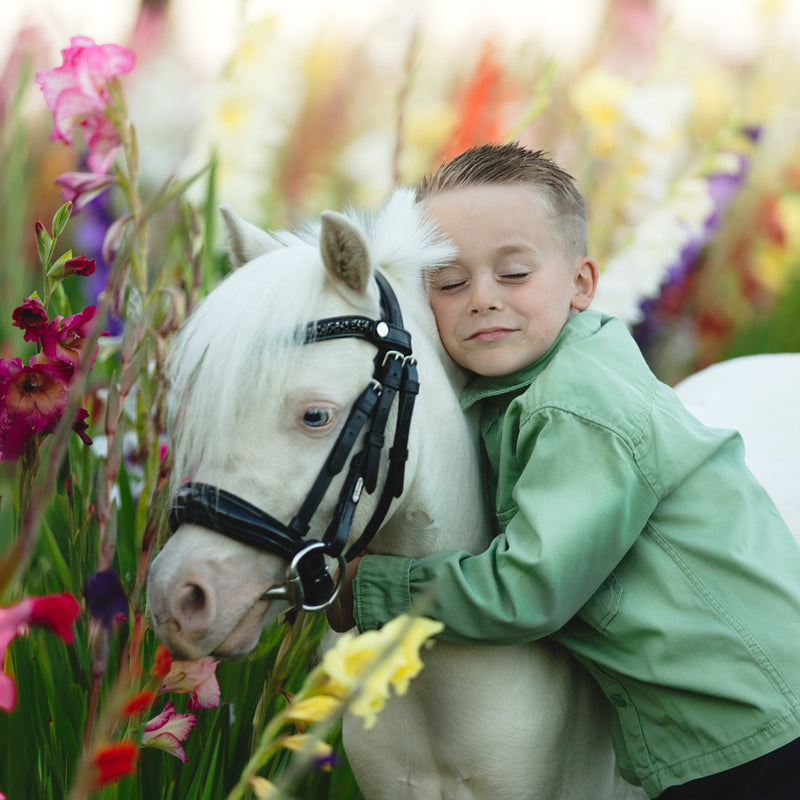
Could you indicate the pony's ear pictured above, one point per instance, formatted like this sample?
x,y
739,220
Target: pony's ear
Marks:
x,y
244,240
344,251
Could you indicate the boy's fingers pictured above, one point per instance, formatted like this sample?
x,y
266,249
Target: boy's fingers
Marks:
x,y
340,612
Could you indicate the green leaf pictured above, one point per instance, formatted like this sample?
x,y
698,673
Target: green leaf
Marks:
x,y
61,219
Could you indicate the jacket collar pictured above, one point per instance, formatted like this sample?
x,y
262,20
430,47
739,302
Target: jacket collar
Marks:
x,y
480,387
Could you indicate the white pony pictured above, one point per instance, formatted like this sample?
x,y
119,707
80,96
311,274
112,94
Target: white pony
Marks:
x,y
257,416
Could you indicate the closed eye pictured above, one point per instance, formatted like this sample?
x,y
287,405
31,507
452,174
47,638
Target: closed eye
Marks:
x,y
515,276
449,286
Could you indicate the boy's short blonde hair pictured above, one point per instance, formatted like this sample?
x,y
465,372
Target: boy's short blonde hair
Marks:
x,y
512,163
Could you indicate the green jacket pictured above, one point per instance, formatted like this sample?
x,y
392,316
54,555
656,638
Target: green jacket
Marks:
x,y
638,539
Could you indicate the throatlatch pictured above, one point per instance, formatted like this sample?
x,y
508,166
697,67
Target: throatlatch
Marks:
x,y
309,585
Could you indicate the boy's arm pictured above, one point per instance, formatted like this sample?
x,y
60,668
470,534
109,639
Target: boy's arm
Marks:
x,y
579,506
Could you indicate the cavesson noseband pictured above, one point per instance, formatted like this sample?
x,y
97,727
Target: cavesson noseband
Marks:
x,y
309,586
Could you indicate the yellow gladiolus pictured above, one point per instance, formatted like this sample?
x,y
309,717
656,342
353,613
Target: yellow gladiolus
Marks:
x,y
366,666
313,709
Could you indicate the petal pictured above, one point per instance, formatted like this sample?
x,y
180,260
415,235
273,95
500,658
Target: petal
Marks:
x,y
166,742
57,612
8,692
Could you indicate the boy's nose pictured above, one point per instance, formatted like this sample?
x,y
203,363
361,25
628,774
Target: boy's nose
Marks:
x,y
483,296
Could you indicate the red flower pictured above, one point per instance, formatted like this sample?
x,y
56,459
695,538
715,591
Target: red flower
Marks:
x,y
56,612
64,337
77,94
163,662
31,316
114,761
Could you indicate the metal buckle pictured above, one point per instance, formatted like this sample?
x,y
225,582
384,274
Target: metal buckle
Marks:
x,y
292,589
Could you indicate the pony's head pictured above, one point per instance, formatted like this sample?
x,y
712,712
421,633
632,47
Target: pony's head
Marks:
x,y
261,398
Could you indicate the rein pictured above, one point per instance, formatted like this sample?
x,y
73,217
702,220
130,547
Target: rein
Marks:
x,y
309,585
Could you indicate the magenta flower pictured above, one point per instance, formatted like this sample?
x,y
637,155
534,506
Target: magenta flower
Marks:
x,y
80,265
82,187
81,426
35,393
64,337
198,678
56,612
32,317
167,730
77,94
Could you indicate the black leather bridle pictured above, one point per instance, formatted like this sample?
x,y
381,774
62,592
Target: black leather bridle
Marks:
x,y
309,585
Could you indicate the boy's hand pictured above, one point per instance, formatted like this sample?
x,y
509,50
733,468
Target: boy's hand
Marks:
x,y
340,612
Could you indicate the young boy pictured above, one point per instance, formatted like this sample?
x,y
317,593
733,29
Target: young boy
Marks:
x,y
629,532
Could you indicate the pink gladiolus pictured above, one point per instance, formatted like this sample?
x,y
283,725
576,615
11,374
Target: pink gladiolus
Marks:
x,y
32,317
167,730
64,338
56,612
198,678
77,94
82,187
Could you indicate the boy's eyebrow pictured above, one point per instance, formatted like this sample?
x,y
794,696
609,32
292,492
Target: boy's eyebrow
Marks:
x,y
512,249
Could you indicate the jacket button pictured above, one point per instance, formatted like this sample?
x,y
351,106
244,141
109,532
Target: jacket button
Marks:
x,y
618,700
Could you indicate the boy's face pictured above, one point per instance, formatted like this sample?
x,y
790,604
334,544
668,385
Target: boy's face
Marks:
x,y
500,306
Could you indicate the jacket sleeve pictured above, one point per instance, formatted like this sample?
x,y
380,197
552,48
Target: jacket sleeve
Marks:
x,y
579,504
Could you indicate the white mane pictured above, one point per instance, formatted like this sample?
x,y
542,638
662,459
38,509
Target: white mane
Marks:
x,y
235,348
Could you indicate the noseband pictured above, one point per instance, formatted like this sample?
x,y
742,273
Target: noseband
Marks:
x,y
309,585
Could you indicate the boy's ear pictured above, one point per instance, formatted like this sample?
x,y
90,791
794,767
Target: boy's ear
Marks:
x,y
585,284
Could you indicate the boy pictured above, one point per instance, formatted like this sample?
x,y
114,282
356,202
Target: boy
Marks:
x,y
629,532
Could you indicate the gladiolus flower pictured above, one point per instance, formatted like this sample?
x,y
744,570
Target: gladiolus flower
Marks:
x,y
197,678
167,730
64,338
31,316
35,393
80,426
77,94
114,761
313,709
163,662
80,265
105,597
262,788
56,612
320,751
366,666
82,187
141,701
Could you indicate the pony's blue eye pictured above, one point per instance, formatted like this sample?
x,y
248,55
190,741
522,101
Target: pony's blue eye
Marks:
x,y
317,417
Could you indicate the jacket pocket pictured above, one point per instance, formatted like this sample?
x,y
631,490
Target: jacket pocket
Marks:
x,y
602,606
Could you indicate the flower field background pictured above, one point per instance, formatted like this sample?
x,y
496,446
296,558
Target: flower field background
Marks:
x,y
113,159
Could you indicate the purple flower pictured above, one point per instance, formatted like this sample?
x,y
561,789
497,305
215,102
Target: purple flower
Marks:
x,y
105,598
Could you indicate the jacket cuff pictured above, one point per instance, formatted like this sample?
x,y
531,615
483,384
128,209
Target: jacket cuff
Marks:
x,y
381,590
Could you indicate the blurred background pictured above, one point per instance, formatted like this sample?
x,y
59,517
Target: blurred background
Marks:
x,y
680,120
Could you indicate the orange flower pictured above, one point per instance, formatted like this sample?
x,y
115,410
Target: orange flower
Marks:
x,y
163,662
139,702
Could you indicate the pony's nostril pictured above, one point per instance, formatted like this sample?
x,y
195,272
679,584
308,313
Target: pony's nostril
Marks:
x,y
194,605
